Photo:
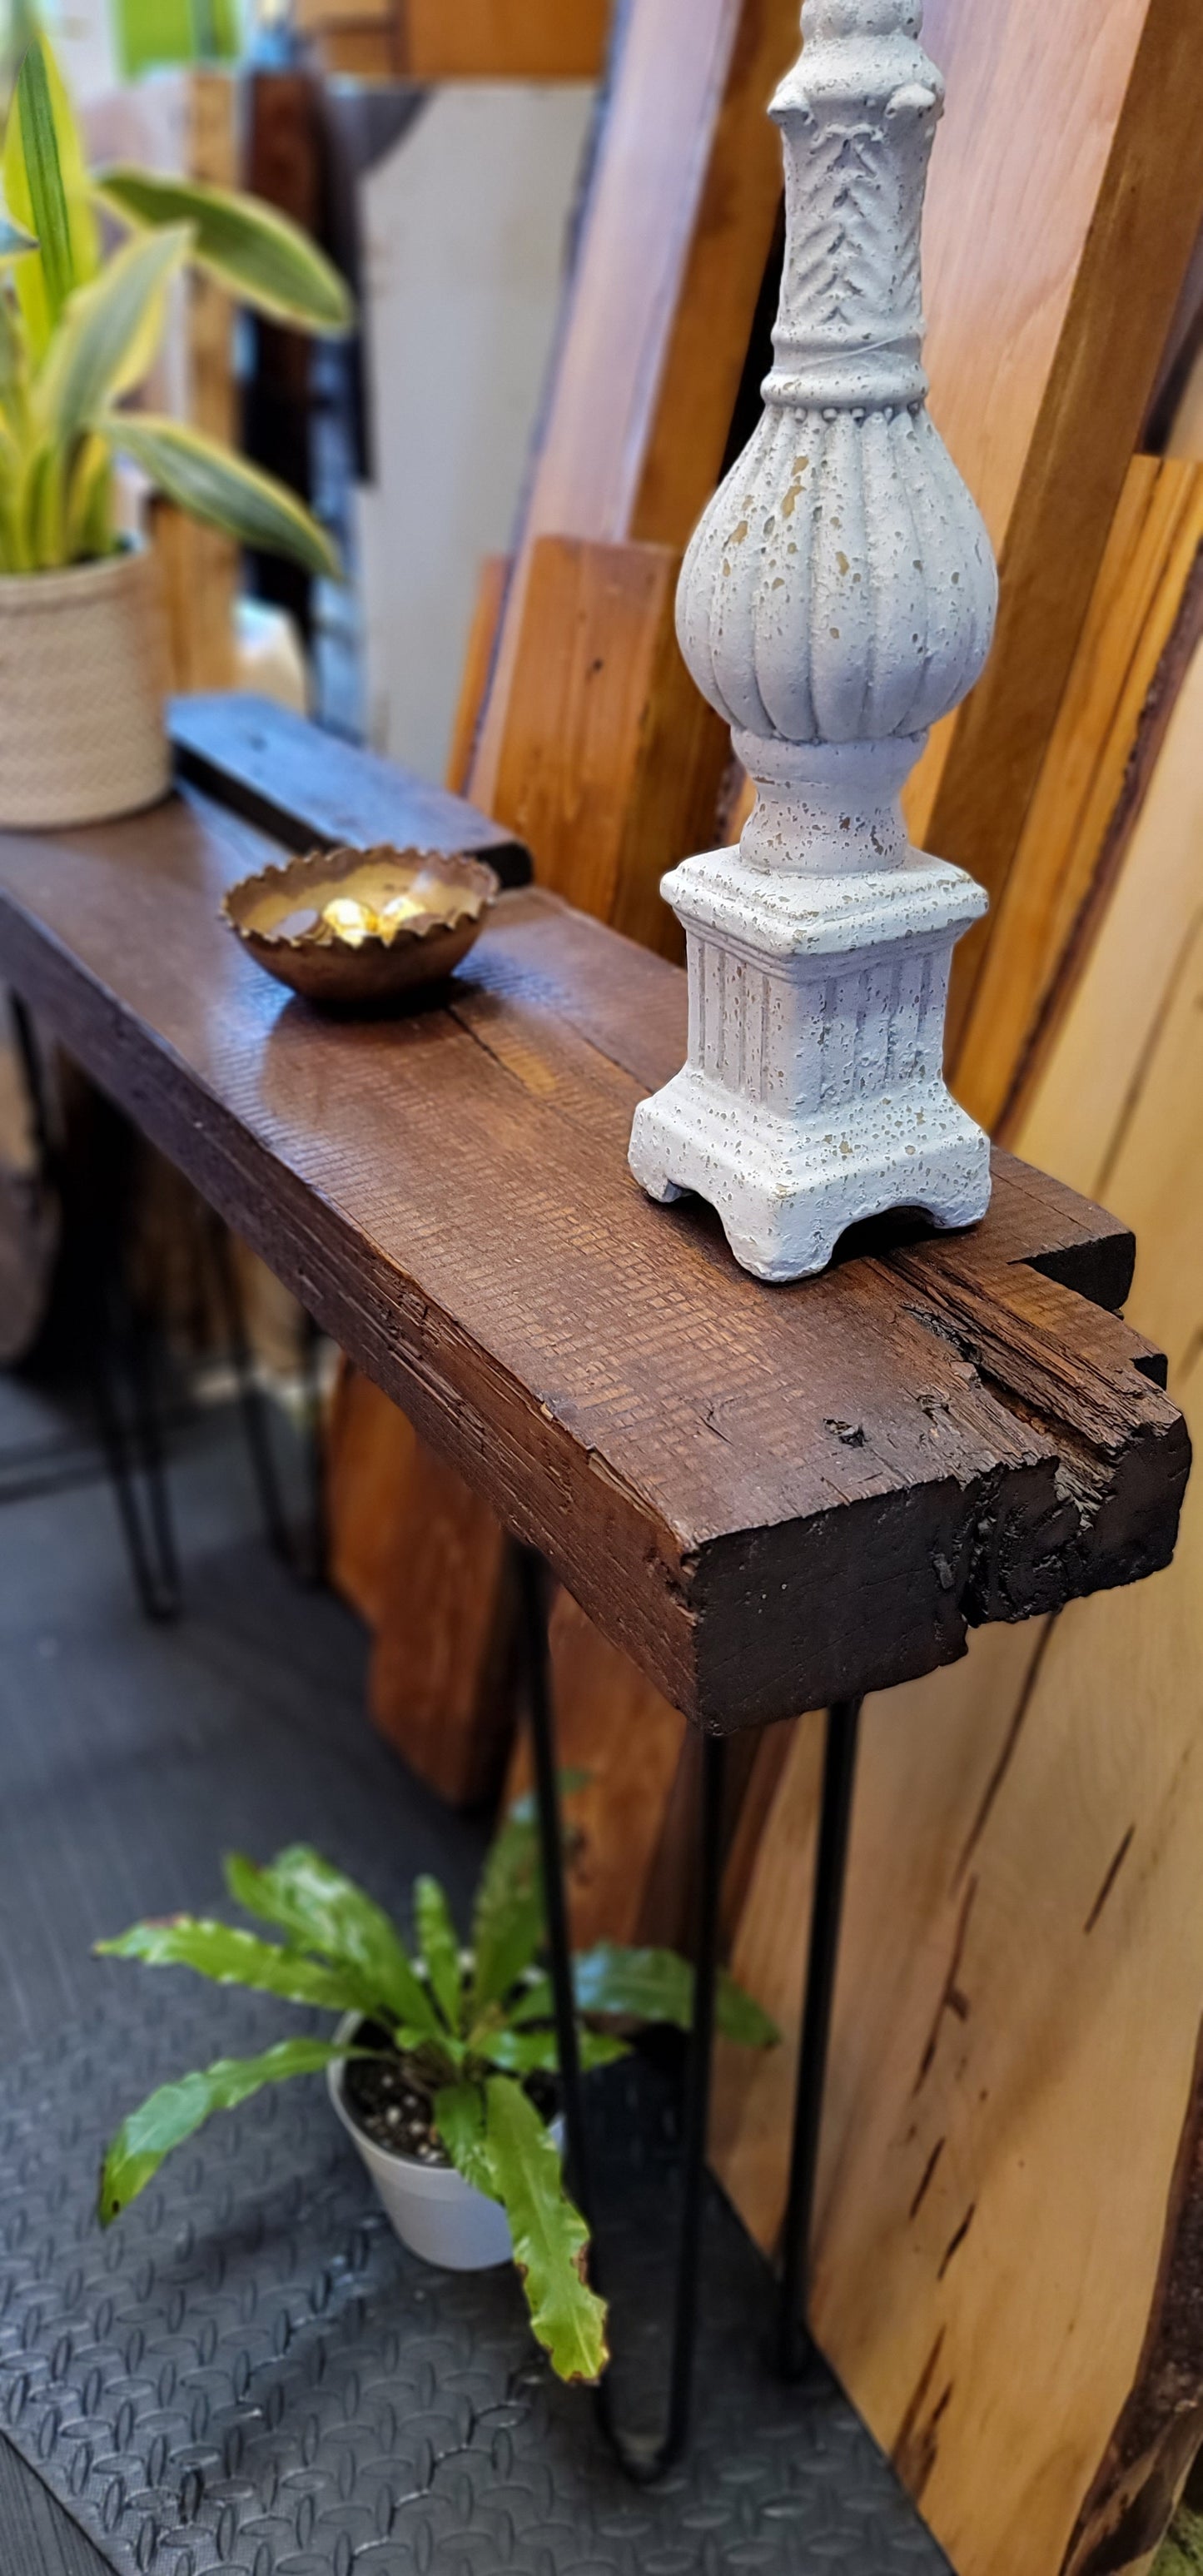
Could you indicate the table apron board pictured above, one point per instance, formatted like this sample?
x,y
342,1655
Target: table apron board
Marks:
x,y
747,1625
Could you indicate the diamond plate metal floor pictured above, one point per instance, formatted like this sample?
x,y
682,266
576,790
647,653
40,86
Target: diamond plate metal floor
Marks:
x,y
249,2374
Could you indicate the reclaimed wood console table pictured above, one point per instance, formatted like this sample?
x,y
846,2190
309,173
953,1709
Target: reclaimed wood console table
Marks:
x,y
774,1499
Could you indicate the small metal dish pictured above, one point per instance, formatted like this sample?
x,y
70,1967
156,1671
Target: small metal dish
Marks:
x,y
400,918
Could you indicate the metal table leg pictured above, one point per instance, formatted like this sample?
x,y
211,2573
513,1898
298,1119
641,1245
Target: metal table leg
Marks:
x,y
119,1359
645,2461
642,2461
831,1864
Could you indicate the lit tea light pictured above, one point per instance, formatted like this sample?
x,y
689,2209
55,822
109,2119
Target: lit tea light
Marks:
x,y
351,921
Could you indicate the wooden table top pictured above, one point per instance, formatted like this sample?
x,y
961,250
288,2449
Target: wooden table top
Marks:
x,y
771,1497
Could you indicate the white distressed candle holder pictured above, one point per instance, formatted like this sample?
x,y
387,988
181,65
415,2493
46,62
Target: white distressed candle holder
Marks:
x,y
838,599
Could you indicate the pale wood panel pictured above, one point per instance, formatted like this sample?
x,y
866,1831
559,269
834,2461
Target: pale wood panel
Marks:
x,y
482,641
1066,198
1075,1125
1012,2181
680,221
1104,749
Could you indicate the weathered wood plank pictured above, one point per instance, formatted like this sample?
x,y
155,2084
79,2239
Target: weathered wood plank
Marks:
x,y
311,791
768,1497
612,763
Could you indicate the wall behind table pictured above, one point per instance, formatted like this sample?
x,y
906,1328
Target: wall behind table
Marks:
x,y
466,229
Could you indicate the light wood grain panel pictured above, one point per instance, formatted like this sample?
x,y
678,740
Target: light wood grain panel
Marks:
x,y
1078,1119
1101,760
1066,198
1011,2201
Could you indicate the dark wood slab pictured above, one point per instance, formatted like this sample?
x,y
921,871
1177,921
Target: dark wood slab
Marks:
x,y
311,791
769,1496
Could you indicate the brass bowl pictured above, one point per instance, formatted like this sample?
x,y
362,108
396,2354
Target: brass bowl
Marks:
x,y
364,959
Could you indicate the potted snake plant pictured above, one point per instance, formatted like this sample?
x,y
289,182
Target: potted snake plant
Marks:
x,y
442,2066
86,265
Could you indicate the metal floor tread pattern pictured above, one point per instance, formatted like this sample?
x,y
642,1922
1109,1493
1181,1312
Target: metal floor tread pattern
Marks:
x,y
248,2373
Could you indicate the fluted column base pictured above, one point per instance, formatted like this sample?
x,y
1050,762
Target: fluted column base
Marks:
x,y
814,1094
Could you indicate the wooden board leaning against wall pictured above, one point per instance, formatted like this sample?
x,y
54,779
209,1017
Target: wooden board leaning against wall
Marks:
x,y
1012,2193
199,566
474,39
1066,198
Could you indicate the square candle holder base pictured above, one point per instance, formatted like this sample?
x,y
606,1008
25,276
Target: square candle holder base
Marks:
x,y
785,1193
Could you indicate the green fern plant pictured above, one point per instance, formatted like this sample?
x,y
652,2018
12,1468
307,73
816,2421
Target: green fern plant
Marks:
x,y
473,2027
79,331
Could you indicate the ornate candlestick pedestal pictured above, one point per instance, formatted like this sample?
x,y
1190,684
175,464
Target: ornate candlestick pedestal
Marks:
x,y
837,599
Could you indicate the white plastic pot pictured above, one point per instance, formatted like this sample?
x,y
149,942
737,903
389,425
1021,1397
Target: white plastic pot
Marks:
x,y
83,677
430,2207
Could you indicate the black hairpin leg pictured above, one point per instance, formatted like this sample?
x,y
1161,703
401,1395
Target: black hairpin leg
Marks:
x,y
643,2461
128,1417
119,1356
831,1864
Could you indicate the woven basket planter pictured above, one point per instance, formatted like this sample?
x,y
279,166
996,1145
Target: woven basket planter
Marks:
x,y
83,677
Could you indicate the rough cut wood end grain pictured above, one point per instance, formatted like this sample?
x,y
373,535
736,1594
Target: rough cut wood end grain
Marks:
x,y
768,1497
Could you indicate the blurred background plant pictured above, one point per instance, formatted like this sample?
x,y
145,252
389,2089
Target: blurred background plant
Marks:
x,y
87,263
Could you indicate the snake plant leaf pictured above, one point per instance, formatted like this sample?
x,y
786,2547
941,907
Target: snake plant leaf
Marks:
x,y
31,122
176,2111
45,506
213,485
256,254
14,369
459,2118
233,1958
322,1910
535,2052
439,1945
46,189
550,2236
90,503
650,1986
108,335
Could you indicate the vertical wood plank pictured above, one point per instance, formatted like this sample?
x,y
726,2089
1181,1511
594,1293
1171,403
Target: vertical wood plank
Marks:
x,y
678,228
1065,203
1143,620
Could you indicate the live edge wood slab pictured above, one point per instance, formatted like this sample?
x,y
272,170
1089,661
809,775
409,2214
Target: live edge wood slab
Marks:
x,y
770,1497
